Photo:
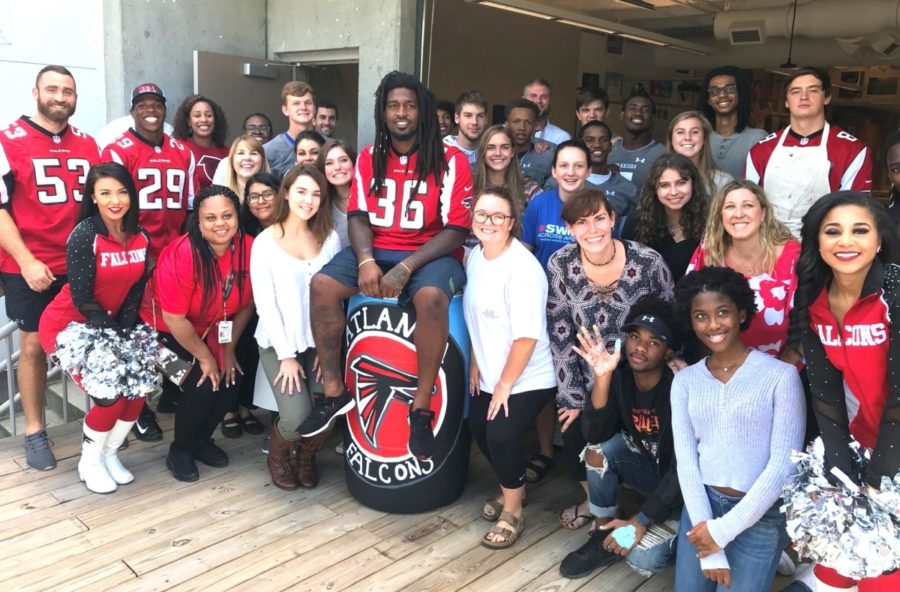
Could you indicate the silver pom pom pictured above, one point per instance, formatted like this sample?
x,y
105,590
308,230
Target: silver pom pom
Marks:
x,y
107,364
851,529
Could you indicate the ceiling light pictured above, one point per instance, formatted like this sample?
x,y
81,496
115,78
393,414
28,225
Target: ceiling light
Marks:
x,y
539,15
638,4
643,39
585,26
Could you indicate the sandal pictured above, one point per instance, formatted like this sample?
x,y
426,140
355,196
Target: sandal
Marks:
x,y
572,519
252,425
493,507
231,427
509,535
534,472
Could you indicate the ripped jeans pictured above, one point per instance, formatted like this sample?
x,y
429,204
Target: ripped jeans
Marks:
x,y
623,461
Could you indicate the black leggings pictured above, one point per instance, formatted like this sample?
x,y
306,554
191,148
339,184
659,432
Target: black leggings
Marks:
x,y
499,438
573,443
200,408
247,354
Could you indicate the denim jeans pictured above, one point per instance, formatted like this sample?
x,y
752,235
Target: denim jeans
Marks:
x,y
752,556
657,550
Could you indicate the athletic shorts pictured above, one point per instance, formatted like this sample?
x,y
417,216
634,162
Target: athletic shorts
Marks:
x,y
24,305
445,272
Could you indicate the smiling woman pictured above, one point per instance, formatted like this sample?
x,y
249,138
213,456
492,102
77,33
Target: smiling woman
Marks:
x,y
201,125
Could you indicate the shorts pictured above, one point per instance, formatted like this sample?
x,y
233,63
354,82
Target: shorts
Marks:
x,y
24,305
444,272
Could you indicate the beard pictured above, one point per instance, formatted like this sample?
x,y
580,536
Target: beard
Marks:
x,y
55,112
403,136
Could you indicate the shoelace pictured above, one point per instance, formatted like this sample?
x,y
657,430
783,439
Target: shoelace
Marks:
x,y
37,442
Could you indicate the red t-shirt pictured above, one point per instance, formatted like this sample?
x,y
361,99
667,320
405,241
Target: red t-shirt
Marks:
x,y
163,176
43,184
205,162
115,269
178,291
774,299
407,213
849,158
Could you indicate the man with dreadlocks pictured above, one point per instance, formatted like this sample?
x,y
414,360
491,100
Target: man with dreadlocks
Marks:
x,y
407,218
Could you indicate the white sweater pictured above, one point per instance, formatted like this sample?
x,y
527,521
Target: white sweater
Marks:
x,y
738,435
281,292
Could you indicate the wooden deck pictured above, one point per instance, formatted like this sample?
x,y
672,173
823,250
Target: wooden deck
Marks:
x,y
233,530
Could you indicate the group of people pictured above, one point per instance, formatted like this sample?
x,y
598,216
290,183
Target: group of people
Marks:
x,y
686,312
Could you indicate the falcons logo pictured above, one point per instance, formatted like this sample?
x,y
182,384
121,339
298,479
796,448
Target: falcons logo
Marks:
x,y
377,387
208,165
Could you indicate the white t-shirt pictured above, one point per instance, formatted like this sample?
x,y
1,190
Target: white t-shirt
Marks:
x,y
281,292
506,299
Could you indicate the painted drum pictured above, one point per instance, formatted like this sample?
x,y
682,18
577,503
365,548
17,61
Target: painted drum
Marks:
x,y
381,376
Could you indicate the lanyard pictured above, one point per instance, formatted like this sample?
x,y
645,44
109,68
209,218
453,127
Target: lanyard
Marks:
x,y
228,283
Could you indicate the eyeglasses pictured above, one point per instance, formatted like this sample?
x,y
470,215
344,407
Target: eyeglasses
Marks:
x,y
258,128
729,89
496,219
264,196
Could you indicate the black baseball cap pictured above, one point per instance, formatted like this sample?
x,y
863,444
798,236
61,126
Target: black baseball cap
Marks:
x,y
653,323
148,88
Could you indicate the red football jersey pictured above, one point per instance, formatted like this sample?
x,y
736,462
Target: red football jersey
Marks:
x,y
163,176
851,167
407,213
205,162
44,175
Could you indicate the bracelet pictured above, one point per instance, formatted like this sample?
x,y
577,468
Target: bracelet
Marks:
x,y
406,267
363,262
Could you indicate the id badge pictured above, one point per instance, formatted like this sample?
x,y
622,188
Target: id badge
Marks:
x,y
224,331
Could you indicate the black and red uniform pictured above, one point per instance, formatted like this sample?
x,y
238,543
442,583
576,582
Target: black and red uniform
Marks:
x,y
164,177
854,375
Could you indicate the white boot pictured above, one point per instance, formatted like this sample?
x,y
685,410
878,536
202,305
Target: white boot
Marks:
x,y
91,468
114,466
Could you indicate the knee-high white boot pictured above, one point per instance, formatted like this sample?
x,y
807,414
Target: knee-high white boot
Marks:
x,y
91,468
111,461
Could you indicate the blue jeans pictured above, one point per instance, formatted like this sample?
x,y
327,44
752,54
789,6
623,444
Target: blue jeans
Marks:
x,y
752,556
623,462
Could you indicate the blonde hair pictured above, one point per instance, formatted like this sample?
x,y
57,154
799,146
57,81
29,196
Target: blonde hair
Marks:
x,y
705,162
231,178
772,233
512,178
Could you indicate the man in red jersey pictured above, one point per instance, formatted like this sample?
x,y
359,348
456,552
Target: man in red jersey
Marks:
x,y
408,215
809,158
163,172
43,162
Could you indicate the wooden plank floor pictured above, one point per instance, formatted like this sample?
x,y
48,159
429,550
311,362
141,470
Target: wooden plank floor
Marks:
x,y
233,530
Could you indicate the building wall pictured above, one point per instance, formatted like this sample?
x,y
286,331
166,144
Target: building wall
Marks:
x,y
379,35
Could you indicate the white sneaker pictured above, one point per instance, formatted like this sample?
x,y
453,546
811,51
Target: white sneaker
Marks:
x,y
91,468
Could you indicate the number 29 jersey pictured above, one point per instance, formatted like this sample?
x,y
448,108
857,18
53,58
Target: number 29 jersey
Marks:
x,y
163,175
43,184
406,213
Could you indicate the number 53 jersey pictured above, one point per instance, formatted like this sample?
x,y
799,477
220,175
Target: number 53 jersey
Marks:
x,y
163,175
406,212
43,184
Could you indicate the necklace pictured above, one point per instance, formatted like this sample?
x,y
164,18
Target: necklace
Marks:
x,y
613,256
733,365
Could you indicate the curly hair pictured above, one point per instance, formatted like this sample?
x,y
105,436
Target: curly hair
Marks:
x,y
722,280
182,125
651,305
772,233
744,95
813,274
652,227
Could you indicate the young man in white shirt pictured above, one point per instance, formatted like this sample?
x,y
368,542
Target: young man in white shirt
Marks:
x,y
538,92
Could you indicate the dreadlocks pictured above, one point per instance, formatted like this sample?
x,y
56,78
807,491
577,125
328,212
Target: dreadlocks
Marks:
x,y
431,160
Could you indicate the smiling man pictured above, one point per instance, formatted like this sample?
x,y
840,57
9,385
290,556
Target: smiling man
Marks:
x,y
298,103
538,91
326,119
809,158
620,192
470,117
637,151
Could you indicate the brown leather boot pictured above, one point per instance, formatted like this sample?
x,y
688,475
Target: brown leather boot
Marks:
x,y
279,460
305,462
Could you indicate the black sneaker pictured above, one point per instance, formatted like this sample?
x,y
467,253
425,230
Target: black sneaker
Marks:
x,y
146,428
182,465
421,436
590,556
325,410
211,455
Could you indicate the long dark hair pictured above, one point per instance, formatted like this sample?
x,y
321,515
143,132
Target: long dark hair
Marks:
x,y
249,222
182,124
813,274
110,170
206,268
323,156
744,95
430,160
652,228
322,223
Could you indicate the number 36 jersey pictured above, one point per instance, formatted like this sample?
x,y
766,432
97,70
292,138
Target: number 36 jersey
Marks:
x,y
43,184
407,213
163,176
